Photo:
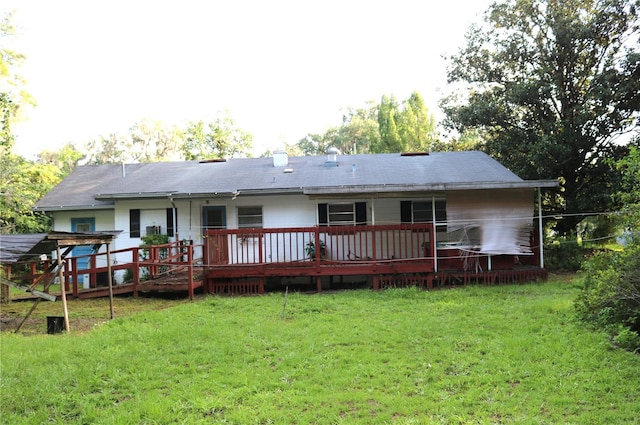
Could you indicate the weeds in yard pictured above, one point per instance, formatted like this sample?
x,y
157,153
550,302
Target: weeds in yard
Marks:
x,y
507,354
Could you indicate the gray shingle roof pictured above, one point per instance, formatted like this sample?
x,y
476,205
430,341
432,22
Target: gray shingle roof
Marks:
x,y
97,185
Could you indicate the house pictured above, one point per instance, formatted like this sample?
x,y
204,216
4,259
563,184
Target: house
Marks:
x,y
474,214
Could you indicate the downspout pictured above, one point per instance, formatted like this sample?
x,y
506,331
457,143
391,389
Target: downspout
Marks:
x,y
190,224
373,213
175,220
540,232
435,242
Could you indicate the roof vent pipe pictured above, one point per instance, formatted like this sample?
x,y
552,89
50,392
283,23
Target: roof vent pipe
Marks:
x,y
332,157
124,173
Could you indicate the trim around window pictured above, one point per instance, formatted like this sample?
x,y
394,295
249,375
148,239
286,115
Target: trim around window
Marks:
x,y
422,212
250,217
342,214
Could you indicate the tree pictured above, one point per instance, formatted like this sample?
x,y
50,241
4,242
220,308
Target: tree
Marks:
x,y
23,184
146,141
359,130
417,126
552,85
111,149
220,138
151,141
376,128
65,159
610,297
406,126
357,133
13,97
390,140
316,144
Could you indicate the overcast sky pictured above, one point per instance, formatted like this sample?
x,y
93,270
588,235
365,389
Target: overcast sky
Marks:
x,y
282,68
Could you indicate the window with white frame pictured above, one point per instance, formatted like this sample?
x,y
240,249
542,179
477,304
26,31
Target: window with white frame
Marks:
x,y
423,212
249,217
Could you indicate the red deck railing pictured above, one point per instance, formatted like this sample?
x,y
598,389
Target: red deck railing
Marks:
x,y
156,262
379,243
372,250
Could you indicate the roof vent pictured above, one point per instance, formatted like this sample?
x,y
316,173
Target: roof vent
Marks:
x,y
332,157
280,159
214,160
414,154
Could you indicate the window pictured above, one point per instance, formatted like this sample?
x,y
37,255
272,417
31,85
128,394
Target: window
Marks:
x,y
422,212
249,217
341,214
153,230
83,227
170,224
134,223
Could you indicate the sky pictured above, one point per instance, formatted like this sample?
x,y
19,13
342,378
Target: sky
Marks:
x,y
282,69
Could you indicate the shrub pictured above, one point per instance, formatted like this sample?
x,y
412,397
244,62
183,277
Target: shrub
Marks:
x,y
610,295
563,254
627,339
144,255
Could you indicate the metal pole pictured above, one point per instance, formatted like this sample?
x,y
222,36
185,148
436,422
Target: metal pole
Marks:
x,y
540,230
435,241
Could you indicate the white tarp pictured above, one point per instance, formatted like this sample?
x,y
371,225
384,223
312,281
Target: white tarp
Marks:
x,y
502,218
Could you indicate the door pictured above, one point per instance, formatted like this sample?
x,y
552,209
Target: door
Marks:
x,y
215,217
80,225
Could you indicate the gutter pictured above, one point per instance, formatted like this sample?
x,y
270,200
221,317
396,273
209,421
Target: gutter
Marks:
x,y
54,208
430,187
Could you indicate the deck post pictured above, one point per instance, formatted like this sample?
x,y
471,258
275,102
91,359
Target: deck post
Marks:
x,y
33,270
135,271
74,275
190,269
6,292
318,254
110,280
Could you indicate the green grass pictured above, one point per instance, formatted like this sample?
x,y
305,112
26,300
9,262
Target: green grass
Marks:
x,y
505,354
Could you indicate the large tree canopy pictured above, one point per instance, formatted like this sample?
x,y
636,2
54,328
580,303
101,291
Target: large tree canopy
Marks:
x,y
358,132
389,126
146,141
406,126
220,138
553,88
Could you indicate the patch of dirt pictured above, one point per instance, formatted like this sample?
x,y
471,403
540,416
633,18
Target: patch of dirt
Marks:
x,y
84,315
38,325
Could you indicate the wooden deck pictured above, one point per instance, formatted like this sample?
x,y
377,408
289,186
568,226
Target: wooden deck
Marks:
x,y
238,256
383,256
253,261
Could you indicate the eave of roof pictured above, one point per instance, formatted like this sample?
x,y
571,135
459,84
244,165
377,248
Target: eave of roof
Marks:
x,y
92,207
136,195
524,184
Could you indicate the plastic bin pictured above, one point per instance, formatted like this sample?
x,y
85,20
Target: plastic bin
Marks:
x,y
55,324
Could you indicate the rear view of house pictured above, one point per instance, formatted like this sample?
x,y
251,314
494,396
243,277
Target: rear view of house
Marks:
x,y
382,219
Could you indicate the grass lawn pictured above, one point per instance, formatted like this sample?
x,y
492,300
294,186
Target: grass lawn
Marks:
x,y
478,354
